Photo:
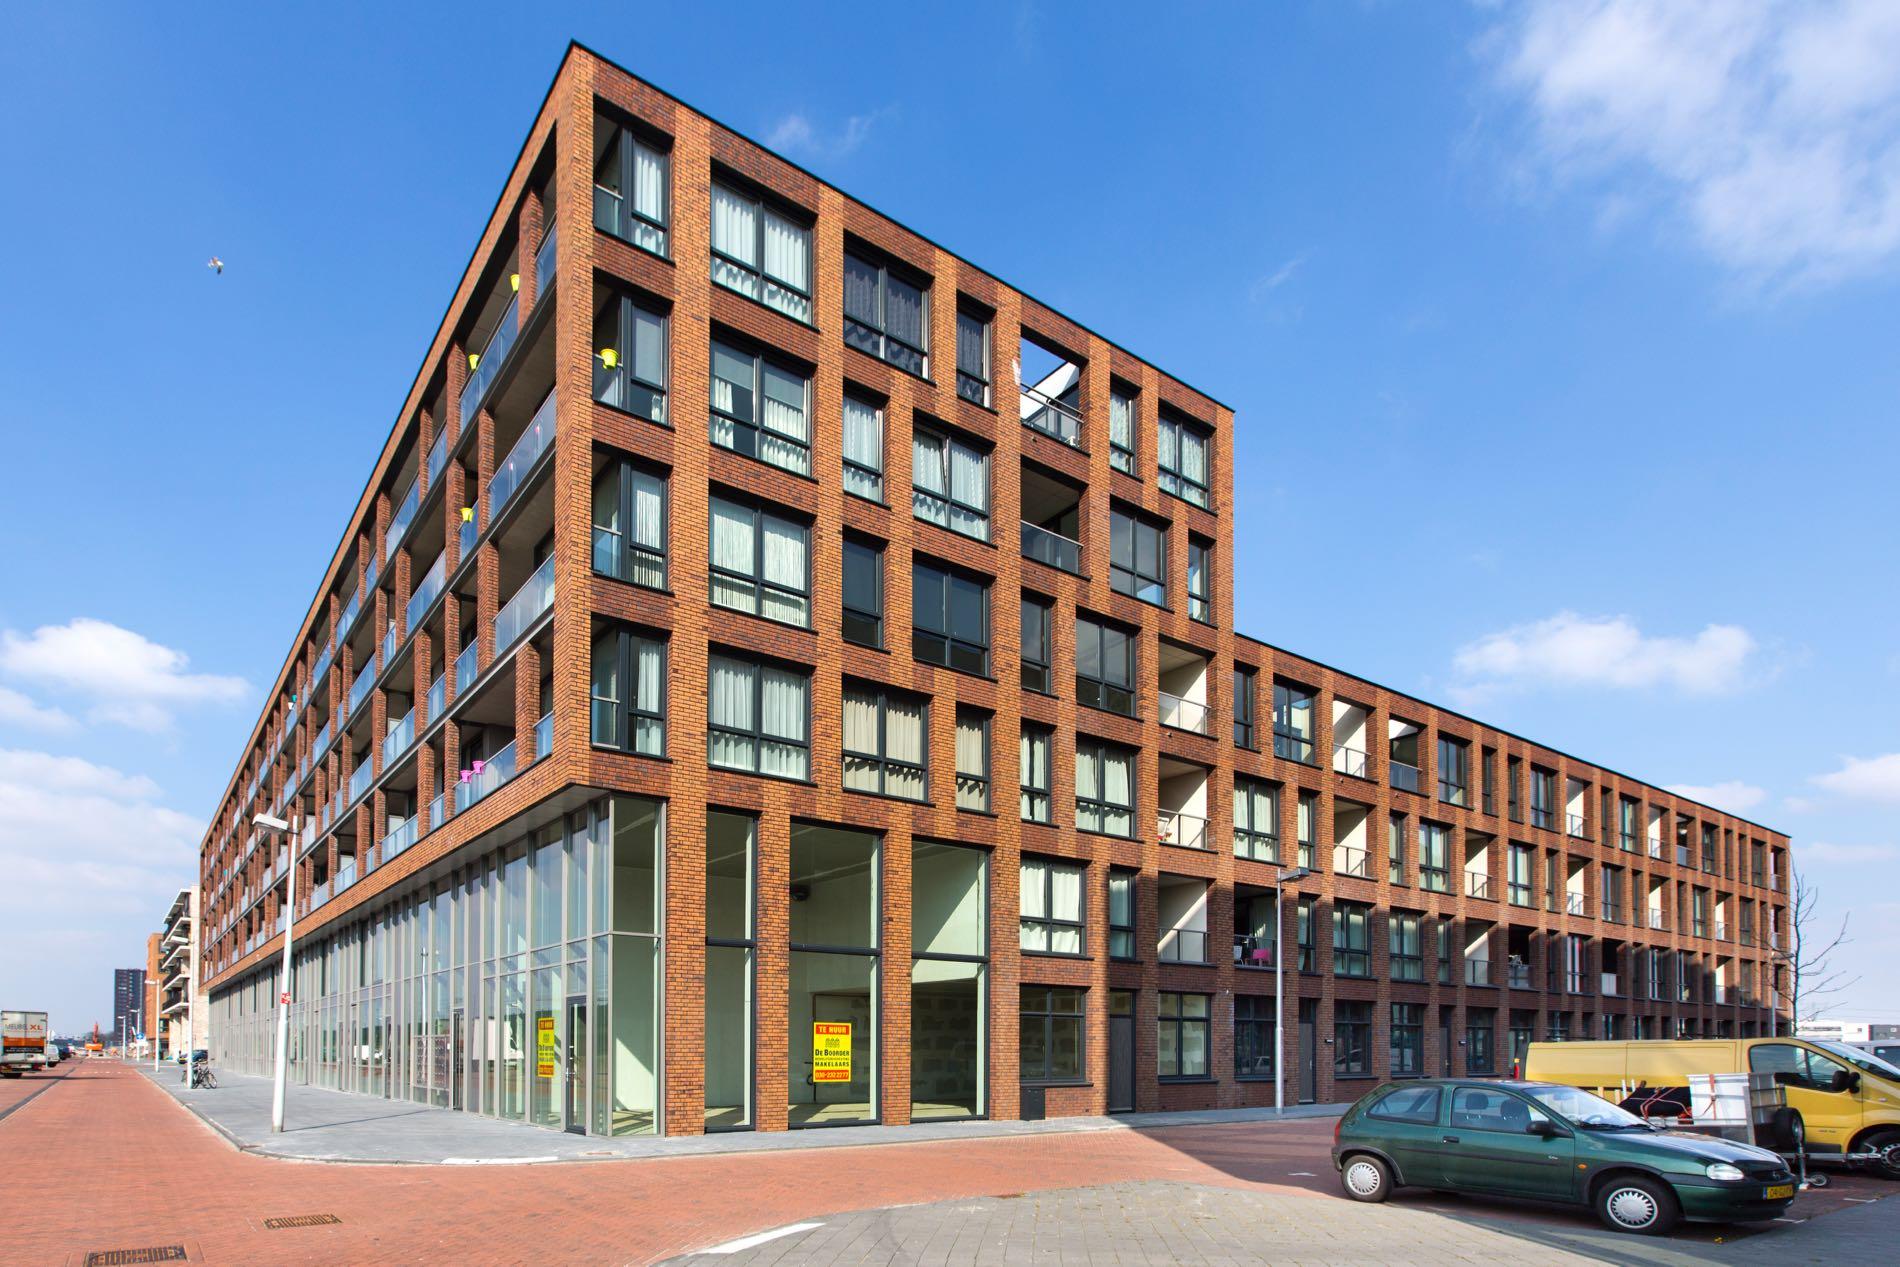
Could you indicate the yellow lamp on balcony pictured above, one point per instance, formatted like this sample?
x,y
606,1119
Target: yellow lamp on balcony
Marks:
x,y
610,357
468,514
474,359
514,282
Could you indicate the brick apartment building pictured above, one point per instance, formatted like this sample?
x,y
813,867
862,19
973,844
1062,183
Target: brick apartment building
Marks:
x,y
648,745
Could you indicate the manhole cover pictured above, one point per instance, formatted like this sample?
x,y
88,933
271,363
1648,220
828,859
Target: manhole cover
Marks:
x,y
149,1254
302,1220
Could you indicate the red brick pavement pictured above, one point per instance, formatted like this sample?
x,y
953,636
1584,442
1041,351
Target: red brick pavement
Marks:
x,y
117,1164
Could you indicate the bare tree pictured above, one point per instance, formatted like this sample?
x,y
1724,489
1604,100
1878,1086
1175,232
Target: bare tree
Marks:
x,y
1804,959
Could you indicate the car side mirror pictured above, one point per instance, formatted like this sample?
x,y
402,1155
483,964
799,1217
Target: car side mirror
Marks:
x,y
1543,1128
1787,1078
1844,1080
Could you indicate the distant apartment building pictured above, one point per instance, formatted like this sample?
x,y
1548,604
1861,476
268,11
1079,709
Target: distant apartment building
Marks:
x,y
128,1004
646,745
180,1001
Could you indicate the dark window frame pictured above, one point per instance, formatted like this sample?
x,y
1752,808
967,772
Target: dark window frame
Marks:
x,y
1181,1023
924,636
1352,940
971,386
627,551
1125,575
625,376
881,697
1098,751
755,426
1049,1017
875,338
1039,666
760,513
627,710
623,143
761,207
1050,923
1100,692
1172,480
1121,936
870,619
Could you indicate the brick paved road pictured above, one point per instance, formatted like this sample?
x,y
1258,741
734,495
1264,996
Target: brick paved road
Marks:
x,y
117,1164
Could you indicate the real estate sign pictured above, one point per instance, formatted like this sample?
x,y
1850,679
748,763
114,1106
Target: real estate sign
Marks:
x,y
831,1051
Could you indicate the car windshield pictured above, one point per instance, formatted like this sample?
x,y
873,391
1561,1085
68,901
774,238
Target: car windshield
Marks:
x,y
1583,1108
1865,1061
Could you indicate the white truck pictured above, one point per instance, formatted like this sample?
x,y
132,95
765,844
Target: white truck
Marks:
x,y
22,1042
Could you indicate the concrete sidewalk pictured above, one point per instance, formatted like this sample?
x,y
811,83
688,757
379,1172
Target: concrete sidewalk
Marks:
x,y
337,1126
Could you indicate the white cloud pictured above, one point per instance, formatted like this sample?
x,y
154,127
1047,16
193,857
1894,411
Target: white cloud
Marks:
x,y
1797,804
796,133
1865,779
1573,650
1766,128
1277,278
1820,851
131,680
17,710
1735,797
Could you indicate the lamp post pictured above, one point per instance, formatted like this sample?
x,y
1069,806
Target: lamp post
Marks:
x,y
1280,877
277,825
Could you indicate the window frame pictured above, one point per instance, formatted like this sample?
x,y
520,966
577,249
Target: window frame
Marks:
x,y
1170,479
761,208
880,698
1454,790
1348,916
1200,599
1285,737
1352,1035
627,711
951,578
1181,1021
983,779
879,332
1124,457
1403,929
1246,729
1048,1016
1259,1020
1126,577
1414,1026
985,327
760,513
1434,877
1043,663
1123,933
755,426
1254,789
1098,751
626,373
1103,687
625,141
1032,734
1049,923
625,548
873,476
848,609
948,499
757,736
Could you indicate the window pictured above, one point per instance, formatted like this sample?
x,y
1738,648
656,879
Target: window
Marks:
x,y
630,358
1481,1026
1256,820
885,314
761,253
1304,936
1352,939
950,484
630,525
1543,797
1513,776
1352,1040
758,718
863,449
884,743
1395,849
973,760
1137,558
1104,787
628,692
1121,914
1121,431
1104,666
1408,1042
1253,1036
1293,722
1519,877
1408,961
1034,776
1454,771
950,618
1181,919
1051,906
1050,1048
1434,857
973,357
1417,1105
1306,812
1443,933
1181,1047
630,180
1181,460
760,409
1037,657
863,592
760,563
1243,707
1200,580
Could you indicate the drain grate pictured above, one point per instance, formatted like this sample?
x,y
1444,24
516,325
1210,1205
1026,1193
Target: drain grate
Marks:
x,y
126,1257
301,1220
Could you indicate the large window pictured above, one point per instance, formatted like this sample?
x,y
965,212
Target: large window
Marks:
x,y
630,358
1481,1038
973,760
1121,431
973,357
1200,580
630,524
832,981
760,563
1305,820
863,449
758,717
1105,666
1104,787
949,1022
1306,933
1038,653
761,253
1454,771
1050,1049
1051,906
1121,914
950,618
1518,877
1253,1036
761,409
628,691
1395,849
1137,558
1543,797
1243,707
630,187
1181,1045
1352,939
1256,820
1036,744
885,743
886,314
730,953
1181,462
1408,1040
1408,959
950,484
1293,731
1181,919
863,592
1434,857
1352,1039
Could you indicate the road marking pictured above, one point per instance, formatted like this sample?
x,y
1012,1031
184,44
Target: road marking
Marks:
x,y
1791,1220
747,1242
1862,1200
1301,1174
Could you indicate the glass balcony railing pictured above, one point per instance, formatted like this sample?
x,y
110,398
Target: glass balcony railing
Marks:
x,y
399,837
403,516
1478,884
544,261
437,459
1349,860
360,779
1477,972
1576,824
322,666
1405,777
321,744
521,459
1189,831
1349,760
345,874
1182,714
544,735
535,596
437,809
436,700
391,640
1052,417
484,776
1052,548
401,735
1520,975
467,532
467,667
346,619
485,365
1252,951
427,590
359,689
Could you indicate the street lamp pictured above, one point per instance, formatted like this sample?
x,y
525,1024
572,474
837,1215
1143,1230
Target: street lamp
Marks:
x,y
1280,877
265,822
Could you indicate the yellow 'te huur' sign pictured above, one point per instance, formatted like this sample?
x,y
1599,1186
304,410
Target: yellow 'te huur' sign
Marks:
x,y
831,1051
544,1041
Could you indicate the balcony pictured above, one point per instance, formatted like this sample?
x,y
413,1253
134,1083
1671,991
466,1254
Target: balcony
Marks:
x,y
1478,884
322,666
1574,904
438,458
544,261
1053,416
1251,951
346,619
484,365
1721,930
427,590
345,874
359,689
1348,860
1182,714
1352,761
319,894
392,638
1576,825
520,462
467,533
483,777
320,746
399,837
1043,546
401,735
467,667
534,597
544,735
1519,975
360,779
1656,918
1478,972
402,518
436,812
1187,831
1655,848
436,700
1406,778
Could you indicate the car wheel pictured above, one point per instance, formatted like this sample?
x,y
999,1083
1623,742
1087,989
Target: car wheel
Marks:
x,y
1632,1203
1366,1178
1887,1144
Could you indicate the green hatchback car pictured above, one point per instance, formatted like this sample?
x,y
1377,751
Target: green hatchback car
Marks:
x,y
1544,1142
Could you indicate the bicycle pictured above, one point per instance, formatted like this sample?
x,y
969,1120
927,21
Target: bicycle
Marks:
x,y
202,1077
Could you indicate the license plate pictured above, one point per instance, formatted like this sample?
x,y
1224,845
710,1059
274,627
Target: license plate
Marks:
x,y
1778,1192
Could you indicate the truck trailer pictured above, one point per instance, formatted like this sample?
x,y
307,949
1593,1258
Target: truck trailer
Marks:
x,y
22,1042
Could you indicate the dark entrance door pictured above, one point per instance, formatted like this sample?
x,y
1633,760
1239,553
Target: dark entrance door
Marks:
x,y
577,1050
1121,1051
1309,1050
458,1050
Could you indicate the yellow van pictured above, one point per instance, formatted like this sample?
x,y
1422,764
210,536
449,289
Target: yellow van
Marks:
x,y
1849,1109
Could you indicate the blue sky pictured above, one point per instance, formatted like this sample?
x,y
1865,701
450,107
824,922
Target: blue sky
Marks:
x,y
1561,341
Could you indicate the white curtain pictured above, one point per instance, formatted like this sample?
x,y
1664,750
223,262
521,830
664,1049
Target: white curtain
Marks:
x,y
973,754
785,564
649,502
649,182
904,731
786,716
1115,779
1033,762
1121,421
729,704
860,722
970,485
649,346
1193,456
1065,902
1035,888
926,464
733,550
649,669
863,444
734,227
783,414
787,252
1168,446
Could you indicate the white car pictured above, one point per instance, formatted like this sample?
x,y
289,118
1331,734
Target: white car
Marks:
x,y
52,1055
